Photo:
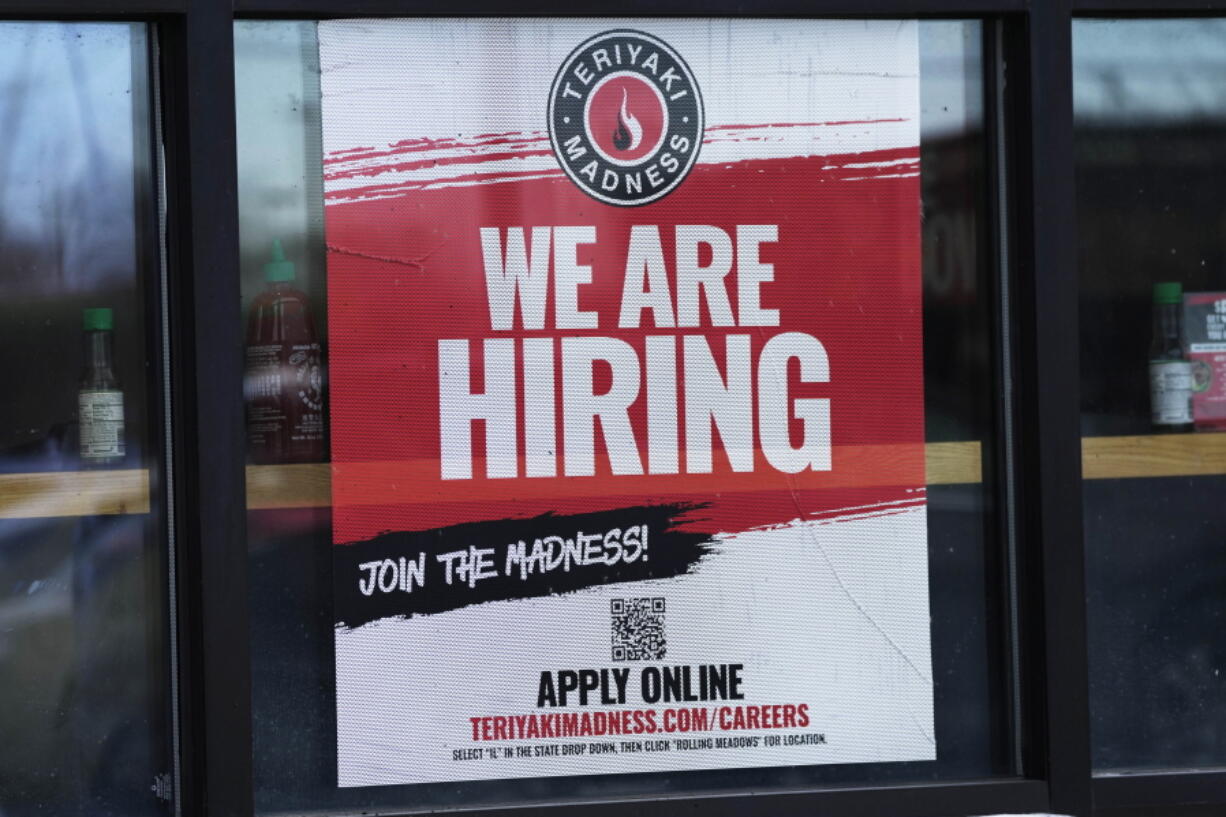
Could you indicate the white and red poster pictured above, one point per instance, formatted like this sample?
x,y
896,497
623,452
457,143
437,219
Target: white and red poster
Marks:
x,y
627,396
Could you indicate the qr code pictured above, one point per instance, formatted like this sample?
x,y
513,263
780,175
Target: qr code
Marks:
x,y
638,629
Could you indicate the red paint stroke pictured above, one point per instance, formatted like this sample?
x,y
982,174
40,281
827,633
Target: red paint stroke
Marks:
x,y
424,163
447,143
805,124
419,145
386,190
838,171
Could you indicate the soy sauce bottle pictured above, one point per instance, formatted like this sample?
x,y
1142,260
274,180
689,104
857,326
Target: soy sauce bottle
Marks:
x,y
100,398
283,385
1170,371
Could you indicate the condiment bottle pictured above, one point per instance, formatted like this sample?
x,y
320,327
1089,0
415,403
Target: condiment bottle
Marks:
x,y
283,385
1170,371
100,399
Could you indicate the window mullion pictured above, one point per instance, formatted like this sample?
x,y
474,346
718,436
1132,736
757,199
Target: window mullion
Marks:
x,y
207,412
1049,432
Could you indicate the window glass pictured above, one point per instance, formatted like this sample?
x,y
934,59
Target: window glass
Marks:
x,y
83,667
1150,124
299,159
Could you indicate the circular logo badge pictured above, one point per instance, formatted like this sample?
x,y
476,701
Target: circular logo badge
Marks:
x,y
625,118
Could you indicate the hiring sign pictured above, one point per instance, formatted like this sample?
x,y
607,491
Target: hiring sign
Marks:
x,y
627,396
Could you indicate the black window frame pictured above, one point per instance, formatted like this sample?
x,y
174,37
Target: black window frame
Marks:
x,y
196,64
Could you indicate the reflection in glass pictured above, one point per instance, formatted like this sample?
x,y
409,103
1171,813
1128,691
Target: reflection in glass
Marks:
x,y
81,571
1150,131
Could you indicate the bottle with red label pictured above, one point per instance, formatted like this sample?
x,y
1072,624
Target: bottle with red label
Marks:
x,y
283,386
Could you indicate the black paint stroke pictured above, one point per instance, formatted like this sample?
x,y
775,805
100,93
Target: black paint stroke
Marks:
x,y
670,553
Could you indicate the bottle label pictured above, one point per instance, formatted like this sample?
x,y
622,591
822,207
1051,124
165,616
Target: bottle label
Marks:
x,y
304,360
1170,391
284,393
101,415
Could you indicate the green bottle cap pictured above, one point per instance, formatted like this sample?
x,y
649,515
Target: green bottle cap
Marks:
x,y
99,319
278,268
1168,292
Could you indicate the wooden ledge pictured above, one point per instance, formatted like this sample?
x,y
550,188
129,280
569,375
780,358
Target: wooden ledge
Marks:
x,y
93,493
1158,455
74,493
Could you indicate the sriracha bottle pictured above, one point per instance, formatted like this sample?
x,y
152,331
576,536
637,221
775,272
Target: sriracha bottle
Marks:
x,y
283,386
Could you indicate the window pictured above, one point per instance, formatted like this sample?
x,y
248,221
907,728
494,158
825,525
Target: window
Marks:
x,y
290,181
83,644
1149,214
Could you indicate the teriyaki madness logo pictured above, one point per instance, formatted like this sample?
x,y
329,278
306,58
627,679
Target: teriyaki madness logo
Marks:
x,y
625,118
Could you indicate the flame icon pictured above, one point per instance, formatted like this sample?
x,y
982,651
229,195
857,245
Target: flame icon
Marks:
x,y
629,133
